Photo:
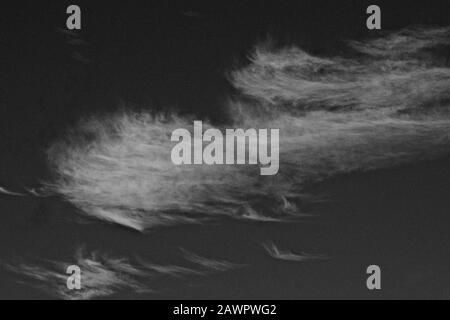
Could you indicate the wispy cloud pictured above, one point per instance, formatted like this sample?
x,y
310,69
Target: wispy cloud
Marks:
x,y
210,264
40,192
384,104
409,42
10,193
391,73
287,255
103,275
248,213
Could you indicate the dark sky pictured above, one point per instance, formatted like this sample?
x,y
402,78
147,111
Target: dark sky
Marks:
x,y
170,54
166,53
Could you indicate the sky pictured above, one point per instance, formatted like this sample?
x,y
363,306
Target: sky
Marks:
x,y
204,60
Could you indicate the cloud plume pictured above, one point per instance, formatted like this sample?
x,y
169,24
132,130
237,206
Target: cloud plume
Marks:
x,y
103,275
384,103
287,255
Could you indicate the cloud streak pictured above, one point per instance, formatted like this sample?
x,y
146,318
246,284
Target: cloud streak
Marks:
x,y
103,275
10,193
287,255
383,104
210,264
